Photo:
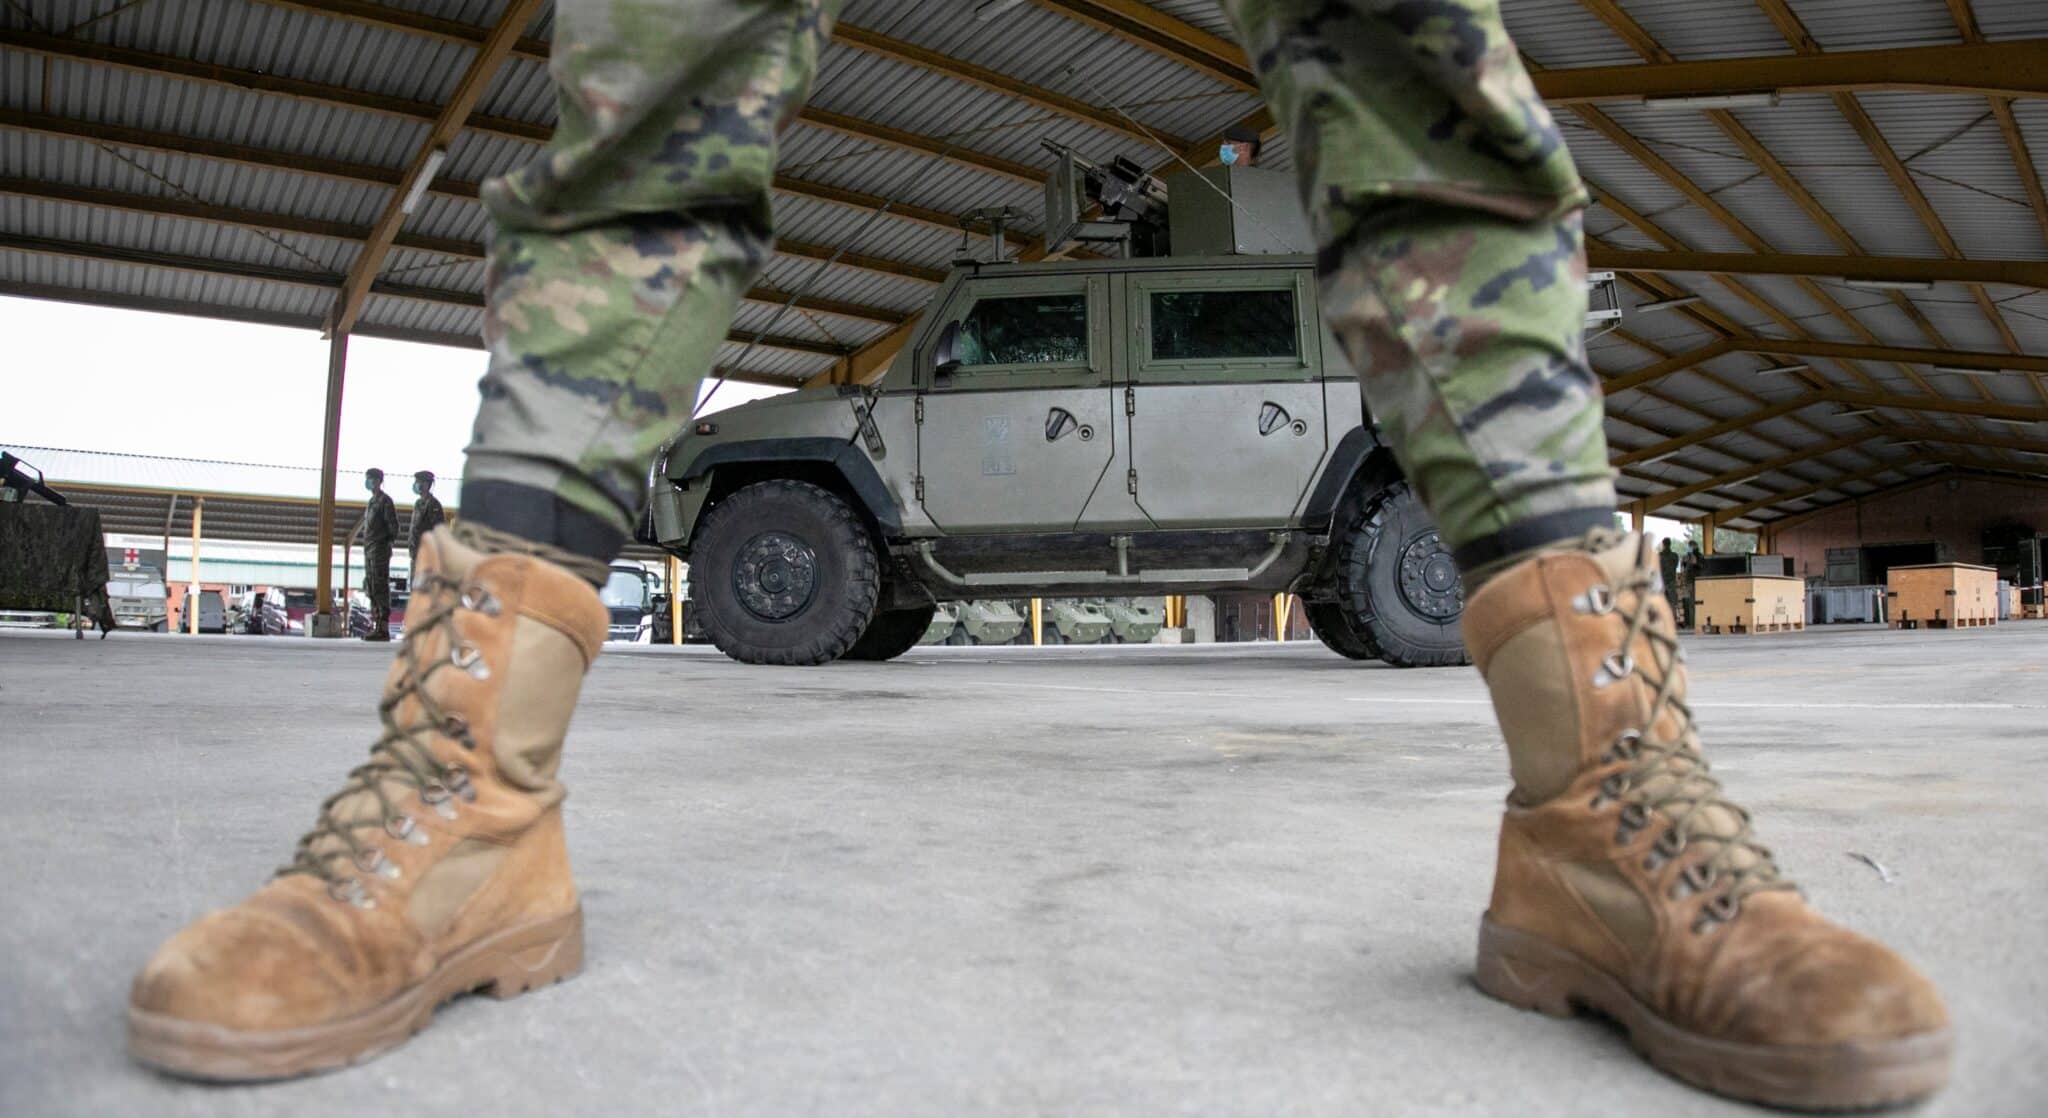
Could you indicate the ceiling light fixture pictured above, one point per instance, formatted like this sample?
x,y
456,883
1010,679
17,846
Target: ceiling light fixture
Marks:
x,y
1889,284
1765,100
1958,370
1774,370
1671,304
1856,411
420,184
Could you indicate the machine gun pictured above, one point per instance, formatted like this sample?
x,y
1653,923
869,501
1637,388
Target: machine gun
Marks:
x,y
1132,221
20,479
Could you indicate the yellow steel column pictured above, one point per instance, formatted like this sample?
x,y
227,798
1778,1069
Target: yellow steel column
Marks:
x,y
192,582
1037,621
330,460
1280,617
675,600
1706,535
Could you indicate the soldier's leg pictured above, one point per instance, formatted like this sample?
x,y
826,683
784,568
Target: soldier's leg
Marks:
x,y
619,256
1447,210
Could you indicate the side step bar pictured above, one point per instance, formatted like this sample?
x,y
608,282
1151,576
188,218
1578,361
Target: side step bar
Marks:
x,y
1123,572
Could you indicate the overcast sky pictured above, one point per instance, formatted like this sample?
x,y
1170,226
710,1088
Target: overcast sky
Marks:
x,y
91,378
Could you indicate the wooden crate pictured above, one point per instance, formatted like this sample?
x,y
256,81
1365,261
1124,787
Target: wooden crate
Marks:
x,y
1941,596
1749,604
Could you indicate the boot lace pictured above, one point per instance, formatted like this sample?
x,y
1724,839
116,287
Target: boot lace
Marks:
x,y
403,756
1670,777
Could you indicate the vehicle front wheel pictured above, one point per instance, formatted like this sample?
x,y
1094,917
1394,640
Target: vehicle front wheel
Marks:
x,y
1396,584
784,572
1334,630
892,633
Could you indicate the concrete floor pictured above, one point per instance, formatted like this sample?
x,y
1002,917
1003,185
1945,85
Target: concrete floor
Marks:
x,y
1210,880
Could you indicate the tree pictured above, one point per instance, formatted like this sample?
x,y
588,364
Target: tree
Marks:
x,y
1727,541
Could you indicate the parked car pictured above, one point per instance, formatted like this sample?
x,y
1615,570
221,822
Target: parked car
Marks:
x,y
267,612
629,595
213,613
359,622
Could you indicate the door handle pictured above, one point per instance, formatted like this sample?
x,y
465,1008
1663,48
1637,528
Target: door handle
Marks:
x,y
1272,417
1058,423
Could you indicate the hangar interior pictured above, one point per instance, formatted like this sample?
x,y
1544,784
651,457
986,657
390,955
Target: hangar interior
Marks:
x,y
1830,236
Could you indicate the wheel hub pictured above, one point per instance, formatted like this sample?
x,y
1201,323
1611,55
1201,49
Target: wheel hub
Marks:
x,y
775,576
1429,580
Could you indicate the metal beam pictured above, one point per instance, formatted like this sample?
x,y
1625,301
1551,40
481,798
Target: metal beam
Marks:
x,y
996,81
1986,409
1736,512
328,281
427,160
2016,68
1661,369
1165,35
1715,430
1850,351
2017,273
874,42
1740,474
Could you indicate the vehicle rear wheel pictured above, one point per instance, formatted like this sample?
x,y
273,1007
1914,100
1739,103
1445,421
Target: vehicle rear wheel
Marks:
x,y
1397,587
1333,629
784,572
892,633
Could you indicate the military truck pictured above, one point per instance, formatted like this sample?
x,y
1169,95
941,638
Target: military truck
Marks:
x,y
139,598
1178,423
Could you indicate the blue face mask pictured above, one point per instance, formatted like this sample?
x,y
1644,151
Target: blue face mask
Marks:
x,y
1228,154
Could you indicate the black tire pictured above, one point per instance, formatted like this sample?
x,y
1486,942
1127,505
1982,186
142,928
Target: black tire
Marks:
x,y
1397,587
1335,631
789,575
892,633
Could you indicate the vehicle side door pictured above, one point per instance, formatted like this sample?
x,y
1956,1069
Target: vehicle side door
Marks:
x,y
1018,434
1226,414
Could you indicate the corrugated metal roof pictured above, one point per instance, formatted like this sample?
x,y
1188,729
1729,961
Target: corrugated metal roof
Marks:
x,y
133,248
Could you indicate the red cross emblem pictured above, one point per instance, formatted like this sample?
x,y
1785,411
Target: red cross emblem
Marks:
x,y
131,557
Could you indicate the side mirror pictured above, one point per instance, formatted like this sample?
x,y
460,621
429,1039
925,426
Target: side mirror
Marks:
x,y
946,358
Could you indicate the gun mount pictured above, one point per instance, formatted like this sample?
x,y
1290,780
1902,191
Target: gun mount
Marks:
x,y
18,479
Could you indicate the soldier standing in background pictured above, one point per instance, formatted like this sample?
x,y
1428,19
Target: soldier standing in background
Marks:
x,y
378,530
1689,578
1667,568
1452,269
426,510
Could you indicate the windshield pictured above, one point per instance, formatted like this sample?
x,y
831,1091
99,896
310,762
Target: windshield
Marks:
x,y
134,588
298,599
625,589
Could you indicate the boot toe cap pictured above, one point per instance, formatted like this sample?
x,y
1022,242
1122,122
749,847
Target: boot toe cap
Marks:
x,y
239,970
1843,990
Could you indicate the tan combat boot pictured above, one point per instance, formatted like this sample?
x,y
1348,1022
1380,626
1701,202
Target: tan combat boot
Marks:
x,y
438,869
1628,886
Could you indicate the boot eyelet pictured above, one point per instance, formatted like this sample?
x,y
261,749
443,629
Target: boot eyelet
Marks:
x,y
457,727
402,828
1627,742
438,797
351,891
370,860
470,659
456,779
479,599
1598,600
1615,667
1634,817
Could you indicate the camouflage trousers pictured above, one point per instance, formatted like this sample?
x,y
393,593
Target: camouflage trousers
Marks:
x,y
1441,193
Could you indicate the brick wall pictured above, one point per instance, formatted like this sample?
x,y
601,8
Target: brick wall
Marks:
x,y
1954,512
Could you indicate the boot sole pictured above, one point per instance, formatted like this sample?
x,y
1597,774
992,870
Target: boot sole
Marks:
x,y
1532,973
503,965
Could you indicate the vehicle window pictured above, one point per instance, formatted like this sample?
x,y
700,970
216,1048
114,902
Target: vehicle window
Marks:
x,y
1197,324
298,599
1026,330
127,588
625,590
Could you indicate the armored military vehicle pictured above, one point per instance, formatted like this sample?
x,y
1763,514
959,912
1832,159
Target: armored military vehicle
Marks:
x,y
1074,621
139,598
945,616
1134,620
1171,419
